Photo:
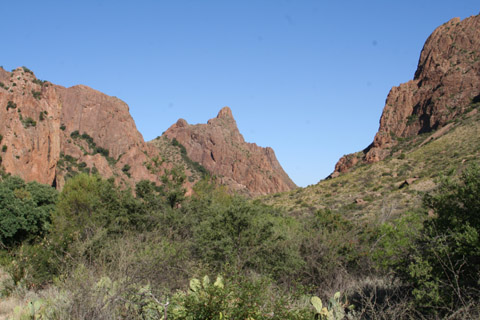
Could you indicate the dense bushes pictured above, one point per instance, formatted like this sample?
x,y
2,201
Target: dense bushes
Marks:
x,y
112,254
25,210
444,267
438,257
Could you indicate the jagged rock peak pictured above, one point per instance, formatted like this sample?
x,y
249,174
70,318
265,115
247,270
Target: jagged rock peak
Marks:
x,y
221,149
225,112
181,123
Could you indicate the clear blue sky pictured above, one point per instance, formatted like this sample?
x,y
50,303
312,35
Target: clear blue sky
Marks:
x,y
308,78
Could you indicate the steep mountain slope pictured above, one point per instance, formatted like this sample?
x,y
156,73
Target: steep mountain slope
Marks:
x,y
446,82
50,133
221,149
430,127
396,184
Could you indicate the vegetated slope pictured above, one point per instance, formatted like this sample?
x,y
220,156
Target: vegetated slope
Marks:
x,y
174,153
446,82
429,127
50,133
221,149
381,190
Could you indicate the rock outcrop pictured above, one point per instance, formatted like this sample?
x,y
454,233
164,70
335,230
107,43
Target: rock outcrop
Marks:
x,y
50,132
222,150
446,85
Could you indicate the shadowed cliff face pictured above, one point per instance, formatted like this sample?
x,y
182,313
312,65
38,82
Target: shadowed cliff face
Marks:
x,y
446,83
221,149
50,132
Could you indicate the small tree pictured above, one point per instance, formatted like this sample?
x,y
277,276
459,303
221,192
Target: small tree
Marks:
x,y
25,210
172,187
444,266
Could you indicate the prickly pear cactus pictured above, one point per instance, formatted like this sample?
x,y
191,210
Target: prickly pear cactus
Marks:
x,y
334,311
195,285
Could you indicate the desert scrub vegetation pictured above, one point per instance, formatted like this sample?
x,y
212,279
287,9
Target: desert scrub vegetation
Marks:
x,y
92,146
96,251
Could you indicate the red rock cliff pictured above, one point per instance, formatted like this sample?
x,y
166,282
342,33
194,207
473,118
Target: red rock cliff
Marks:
x,y
221,149
446,83
49,132
39,121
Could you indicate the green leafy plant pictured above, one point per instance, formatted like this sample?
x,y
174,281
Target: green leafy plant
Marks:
x,y
37,94
11,105
28,122
25,210
440,264
26,70
126,169
335,309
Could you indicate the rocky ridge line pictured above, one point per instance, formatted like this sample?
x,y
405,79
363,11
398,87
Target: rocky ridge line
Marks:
x,y
446,85
50,133
222,150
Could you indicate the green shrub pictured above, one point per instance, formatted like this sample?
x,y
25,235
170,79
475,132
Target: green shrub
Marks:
x,y
246,235
25,210
90,204
235,298
126,169
443,264
74,134
4,148
39,82
11,105
104,152
37,94
26,70
29,122
42,115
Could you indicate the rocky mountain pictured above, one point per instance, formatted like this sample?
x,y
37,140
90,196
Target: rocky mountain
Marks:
x,y
221,149
50,132
430,128
445,85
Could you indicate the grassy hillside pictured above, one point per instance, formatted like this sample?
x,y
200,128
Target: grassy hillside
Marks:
x,y
375,191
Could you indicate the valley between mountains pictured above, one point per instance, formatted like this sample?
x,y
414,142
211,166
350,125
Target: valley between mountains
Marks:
x,y
97,223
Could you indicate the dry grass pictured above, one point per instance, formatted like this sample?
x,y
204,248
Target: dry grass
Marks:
x,y
17,305
378,184
8,304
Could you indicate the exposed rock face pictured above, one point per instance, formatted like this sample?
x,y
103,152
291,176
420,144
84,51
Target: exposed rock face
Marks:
x,y
446,83
38,119
50,132
30,146
221,149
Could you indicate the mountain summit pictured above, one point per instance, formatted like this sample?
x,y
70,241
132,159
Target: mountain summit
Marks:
x,y
222,150
50,133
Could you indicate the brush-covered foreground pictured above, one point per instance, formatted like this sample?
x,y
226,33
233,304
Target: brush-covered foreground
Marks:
x,y
95,251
